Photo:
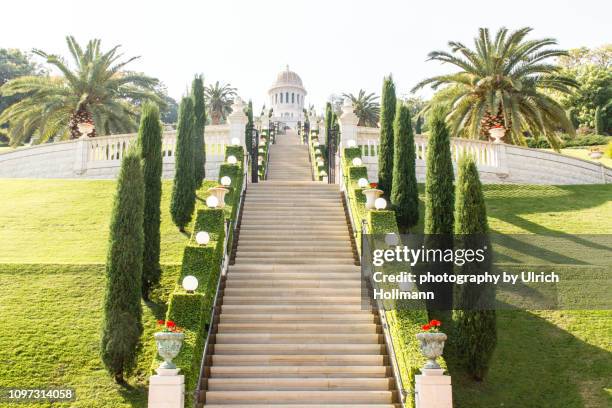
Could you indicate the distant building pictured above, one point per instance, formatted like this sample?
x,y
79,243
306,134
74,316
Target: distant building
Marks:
x,y
287,95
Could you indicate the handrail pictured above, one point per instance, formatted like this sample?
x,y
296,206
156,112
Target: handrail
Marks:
x,y
387,335
229,225
265,176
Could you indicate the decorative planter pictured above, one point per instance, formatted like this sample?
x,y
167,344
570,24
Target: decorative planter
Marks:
x,y
497,134
595,154
220,193
371,195
432,346
168,346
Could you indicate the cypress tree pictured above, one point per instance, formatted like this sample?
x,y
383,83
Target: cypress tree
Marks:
x,y
248,131
404,194
183,192
328,116
599,125
439,203
439,198
475,316
122,325
150,143
386,146
199,108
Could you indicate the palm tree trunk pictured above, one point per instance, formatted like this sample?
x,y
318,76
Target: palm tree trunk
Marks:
x,y
81,115
216,118
490,121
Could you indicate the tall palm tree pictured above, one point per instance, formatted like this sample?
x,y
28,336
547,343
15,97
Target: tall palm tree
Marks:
x,y
96,91
501,83
219,100
365,107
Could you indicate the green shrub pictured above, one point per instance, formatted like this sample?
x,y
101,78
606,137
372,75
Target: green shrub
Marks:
x,y
122,325
150,144
385,147
236,151
183,192
382,222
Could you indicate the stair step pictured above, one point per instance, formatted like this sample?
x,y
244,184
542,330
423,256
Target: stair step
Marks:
x,y
297,384
294,260
312,371
275,268
296,300
297,327
300,338
290,283
298,349
302,406
294,277
331,308
298,317
300,360
326,397
300,252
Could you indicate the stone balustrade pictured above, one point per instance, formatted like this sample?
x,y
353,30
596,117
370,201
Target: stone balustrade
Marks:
x,y
497,162
100,157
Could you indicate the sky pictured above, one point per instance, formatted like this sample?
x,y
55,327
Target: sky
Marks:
x,y
336,46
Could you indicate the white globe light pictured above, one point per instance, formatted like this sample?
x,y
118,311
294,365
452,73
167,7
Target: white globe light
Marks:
x,y
351,143
202,238
357,161
190,283
323,173
320,162
315,143
232,159
362,182
212,202
259,160
235,141
261,150
226,181
318,151
380,203
391,239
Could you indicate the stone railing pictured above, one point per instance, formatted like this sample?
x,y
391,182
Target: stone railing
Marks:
x,y
497,162
100,157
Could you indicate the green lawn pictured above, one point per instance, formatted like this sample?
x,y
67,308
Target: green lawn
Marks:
x,y
54,305
66,221
55,313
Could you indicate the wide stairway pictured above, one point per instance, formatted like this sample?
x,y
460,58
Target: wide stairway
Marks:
x,y
292,332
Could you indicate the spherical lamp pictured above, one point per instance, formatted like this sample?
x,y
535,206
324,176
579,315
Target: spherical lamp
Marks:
x,y
202,237
380,203
190,283
357,161
362,182
226,181
232,159
212,202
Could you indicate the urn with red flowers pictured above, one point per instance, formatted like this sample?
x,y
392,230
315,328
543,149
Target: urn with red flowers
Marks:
x,y
169,342
432,343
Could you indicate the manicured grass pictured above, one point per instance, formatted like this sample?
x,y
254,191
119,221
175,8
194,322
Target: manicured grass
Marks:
x,y
66,221
544,359
54,313
584,154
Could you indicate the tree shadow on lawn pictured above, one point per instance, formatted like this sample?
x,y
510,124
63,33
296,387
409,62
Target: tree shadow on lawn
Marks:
x,y
537,364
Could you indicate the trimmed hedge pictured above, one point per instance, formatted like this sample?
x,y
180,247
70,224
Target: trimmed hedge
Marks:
x,y
403,324
191,311
317,169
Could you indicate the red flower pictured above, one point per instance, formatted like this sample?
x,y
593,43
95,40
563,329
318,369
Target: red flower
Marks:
x,y
426,327
161,322
435,323
373,185
170,324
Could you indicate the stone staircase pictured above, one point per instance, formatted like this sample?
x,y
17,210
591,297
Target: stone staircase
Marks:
x,y
293,331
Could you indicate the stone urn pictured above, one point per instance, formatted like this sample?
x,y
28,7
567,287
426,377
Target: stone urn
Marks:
x,y
371,195
432,346
595,154
220,193
497,133
168,346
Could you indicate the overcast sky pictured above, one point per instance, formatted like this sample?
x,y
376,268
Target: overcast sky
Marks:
x,y
334,45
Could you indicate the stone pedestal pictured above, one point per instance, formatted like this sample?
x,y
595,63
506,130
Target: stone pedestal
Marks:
x,y
166,391
348,123
237,122
433,389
